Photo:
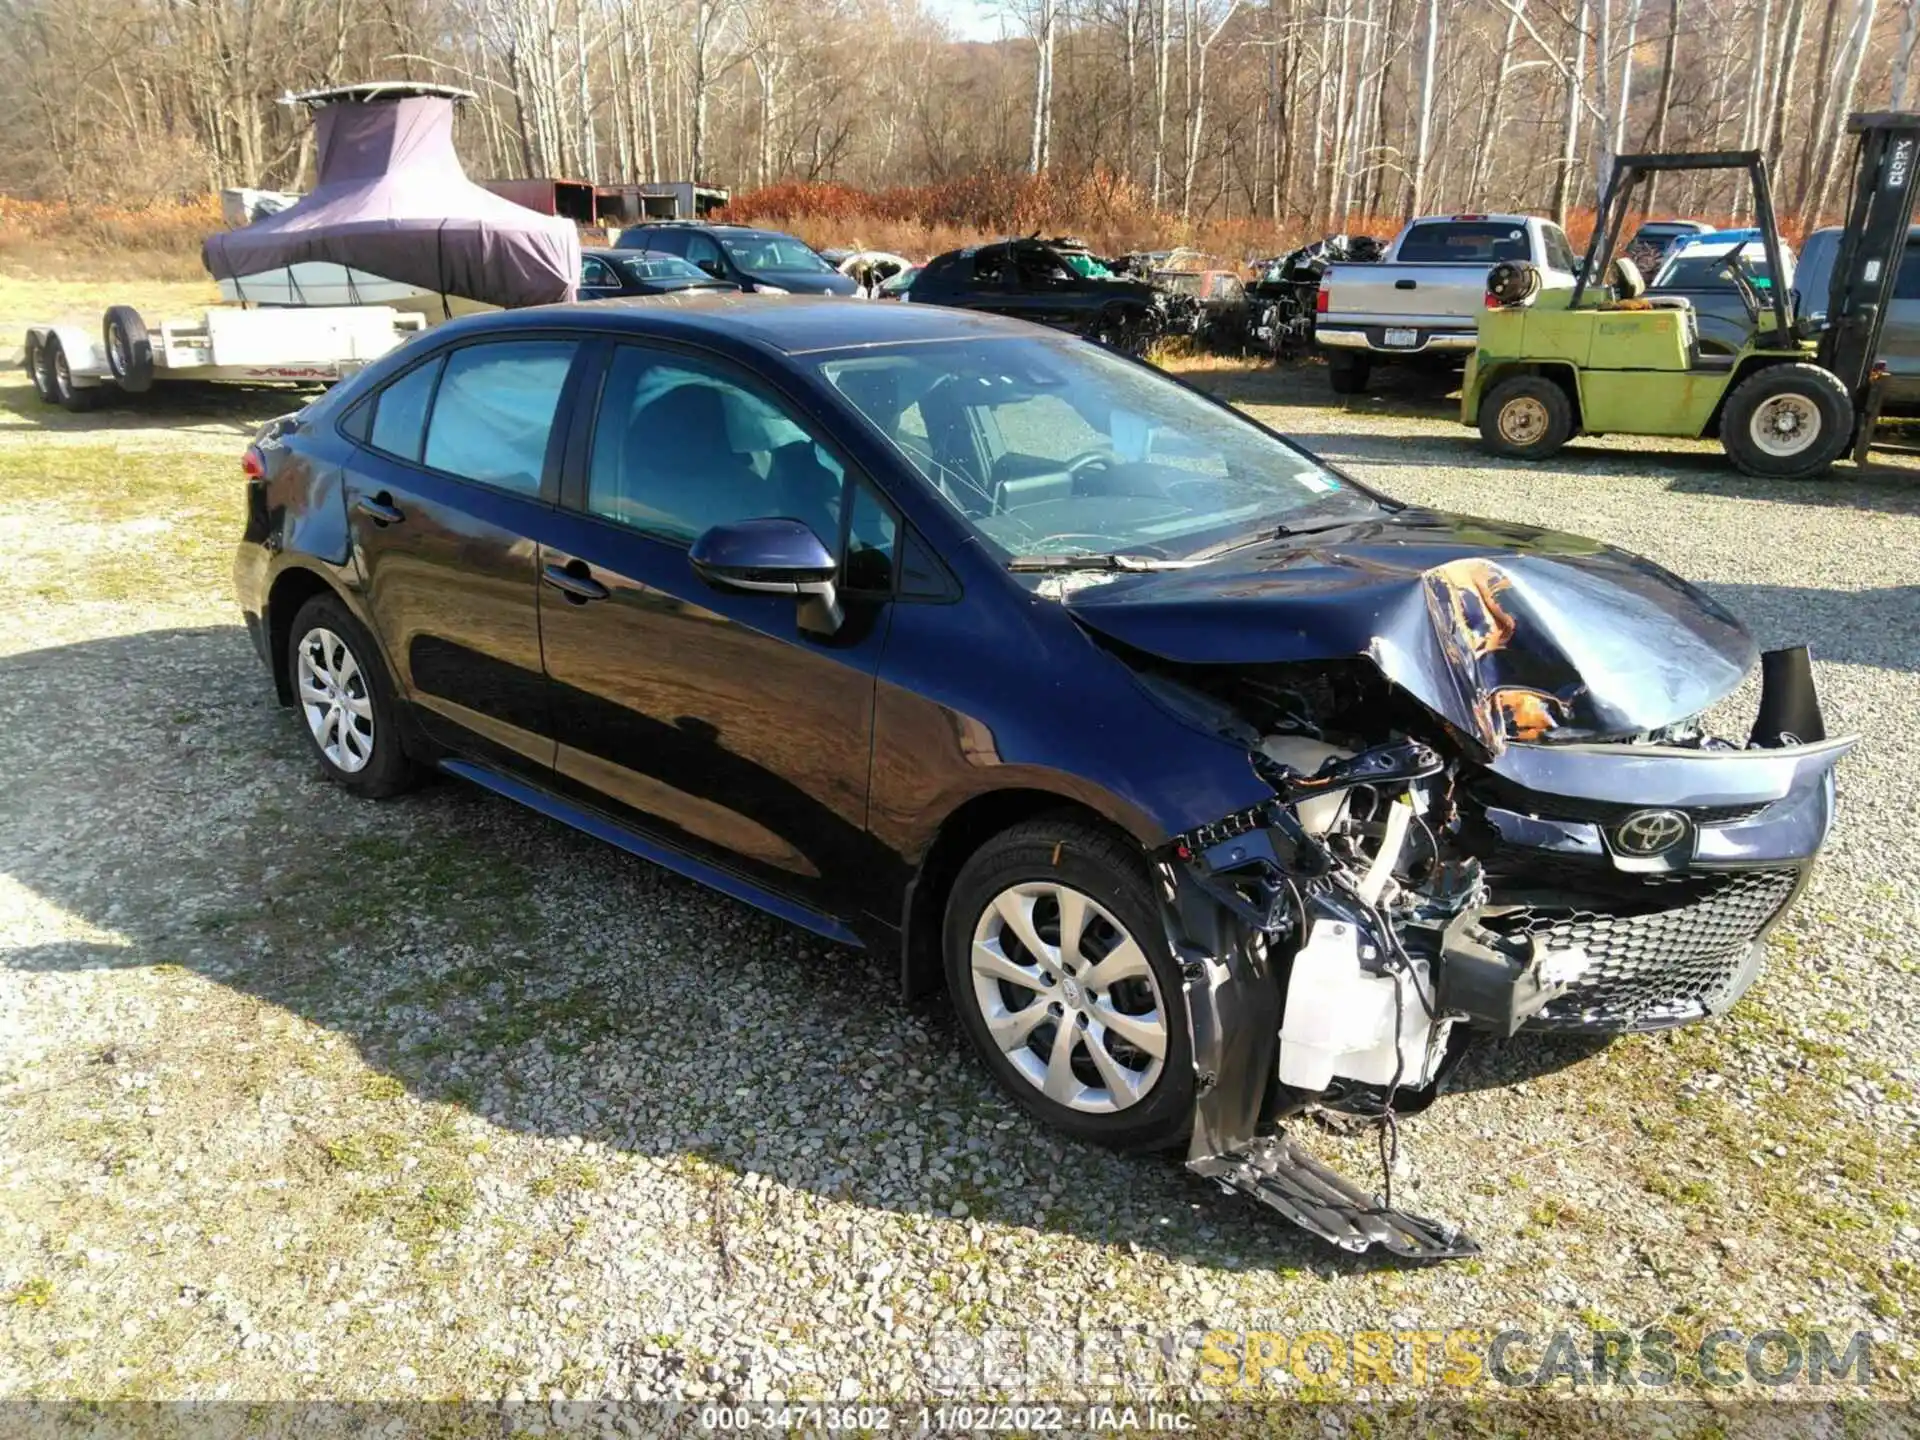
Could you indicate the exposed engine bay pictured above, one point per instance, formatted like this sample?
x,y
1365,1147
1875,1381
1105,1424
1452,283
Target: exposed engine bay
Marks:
x,y
1397,895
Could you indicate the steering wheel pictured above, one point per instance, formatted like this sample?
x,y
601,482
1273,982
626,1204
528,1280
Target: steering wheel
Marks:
x,y
1734,266
1086,460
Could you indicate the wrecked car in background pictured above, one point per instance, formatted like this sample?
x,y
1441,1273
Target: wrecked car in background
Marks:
x,y
1215,787
1284,292
1211,309
1038,280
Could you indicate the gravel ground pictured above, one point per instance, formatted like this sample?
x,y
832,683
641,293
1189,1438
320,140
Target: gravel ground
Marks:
x,y
307,1097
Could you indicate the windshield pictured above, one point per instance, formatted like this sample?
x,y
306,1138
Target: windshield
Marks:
x,y
1699,267
764,250
1056,447
654,266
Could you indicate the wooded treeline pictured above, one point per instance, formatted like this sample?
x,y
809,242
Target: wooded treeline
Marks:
x,y
1299,110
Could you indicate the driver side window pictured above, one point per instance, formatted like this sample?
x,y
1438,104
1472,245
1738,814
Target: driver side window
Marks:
x,y
680,446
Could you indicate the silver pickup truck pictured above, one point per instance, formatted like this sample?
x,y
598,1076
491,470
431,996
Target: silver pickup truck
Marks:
x,y
1422,299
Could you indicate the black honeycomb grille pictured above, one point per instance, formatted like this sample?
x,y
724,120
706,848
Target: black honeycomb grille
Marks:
x,y
1650,967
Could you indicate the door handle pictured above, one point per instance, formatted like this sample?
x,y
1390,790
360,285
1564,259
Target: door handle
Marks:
x,y
1406,284
575,581
380,509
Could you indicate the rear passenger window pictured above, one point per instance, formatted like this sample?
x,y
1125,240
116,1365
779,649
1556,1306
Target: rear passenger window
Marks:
x,y
400,412
494,413
1559,249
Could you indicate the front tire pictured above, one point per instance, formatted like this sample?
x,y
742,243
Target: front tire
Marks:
x,y
346,702
1788,422
1526,418
129,349
1058,966
1348,373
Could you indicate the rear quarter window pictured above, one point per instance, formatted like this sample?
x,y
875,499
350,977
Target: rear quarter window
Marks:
x,y
400,411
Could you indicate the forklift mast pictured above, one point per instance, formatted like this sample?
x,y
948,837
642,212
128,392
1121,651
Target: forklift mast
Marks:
x,y
1878,212
1617,202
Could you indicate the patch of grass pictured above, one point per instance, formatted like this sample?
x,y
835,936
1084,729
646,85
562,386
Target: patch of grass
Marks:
x,y
382,1087
148,527
570,1174
359,1152
33,1294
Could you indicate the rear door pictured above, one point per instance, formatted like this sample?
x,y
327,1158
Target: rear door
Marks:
x,y
706,717
454,485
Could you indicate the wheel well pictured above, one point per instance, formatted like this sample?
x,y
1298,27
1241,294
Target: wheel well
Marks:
x,y
292,589
961,834
1561,375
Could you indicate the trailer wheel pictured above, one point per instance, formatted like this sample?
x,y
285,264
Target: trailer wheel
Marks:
x,y
40,370
1348,373
1789,422
1526,418
68,395
129,349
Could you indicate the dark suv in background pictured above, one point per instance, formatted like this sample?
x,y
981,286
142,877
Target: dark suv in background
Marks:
x,y
766,261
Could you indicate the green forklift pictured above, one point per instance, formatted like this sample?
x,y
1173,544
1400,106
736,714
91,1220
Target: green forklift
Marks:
x,y
1607,358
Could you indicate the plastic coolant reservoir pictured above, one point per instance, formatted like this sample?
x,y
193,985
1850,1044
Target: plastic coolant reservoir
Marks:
x,y
1320,814
1339,1019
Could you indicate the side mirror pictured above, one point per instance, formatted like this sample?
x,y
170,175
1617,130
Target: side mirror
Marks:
x,y
772,556
712,267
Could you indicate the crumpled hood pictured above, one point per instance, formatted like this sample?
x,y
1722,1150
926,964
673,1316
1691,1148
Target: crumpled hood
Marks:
x,y
1505,631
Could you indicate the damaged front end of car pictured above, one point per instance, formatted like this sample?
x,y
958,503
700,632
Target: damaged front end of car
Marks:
x,y
1499,811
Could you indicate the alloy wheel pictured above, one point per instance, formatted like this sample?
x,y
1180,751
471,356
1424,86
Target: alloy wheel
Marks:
x,y
1068,996
333,696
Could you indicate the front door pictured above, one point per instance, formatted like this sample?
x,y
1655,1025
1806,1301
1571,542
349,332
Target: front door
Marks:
x,y
447,500
710,718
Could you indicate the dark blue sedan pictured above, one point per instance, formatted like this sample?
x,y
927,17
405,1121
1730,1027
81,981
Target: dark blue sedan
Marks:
x,y
1213,785
607,274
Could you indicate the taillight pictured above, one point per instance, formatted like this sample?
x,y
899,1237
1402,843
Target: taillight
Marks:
x,y
253,464
1492,300
1320,299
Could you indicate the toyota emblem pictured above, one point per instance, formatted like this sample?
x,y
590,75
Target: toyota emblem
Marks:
x,y
1650,832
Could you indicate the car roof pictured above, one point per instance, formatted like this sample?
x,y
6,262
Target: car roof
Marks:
x,y
702,225
787,324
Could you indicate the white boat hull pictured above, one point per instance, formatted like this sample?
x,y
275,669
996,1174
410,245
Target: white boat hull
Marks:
x,y
324,284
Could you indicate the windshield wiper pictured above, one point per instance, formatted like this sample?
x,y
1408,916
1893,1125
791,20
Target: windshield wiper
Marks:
x,y
1278,532
1033,564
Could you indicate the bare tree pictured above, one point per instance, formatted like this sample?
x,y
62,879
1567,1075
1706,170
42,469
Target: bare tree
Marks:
x,y
1423,134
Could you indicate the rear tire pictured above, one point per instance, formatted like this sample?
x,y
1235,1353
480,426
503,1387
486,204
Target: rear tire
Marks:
x,y
129,349
346,702
1125,1075
75,398
40,371
1526,418
1348,373
1788,422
